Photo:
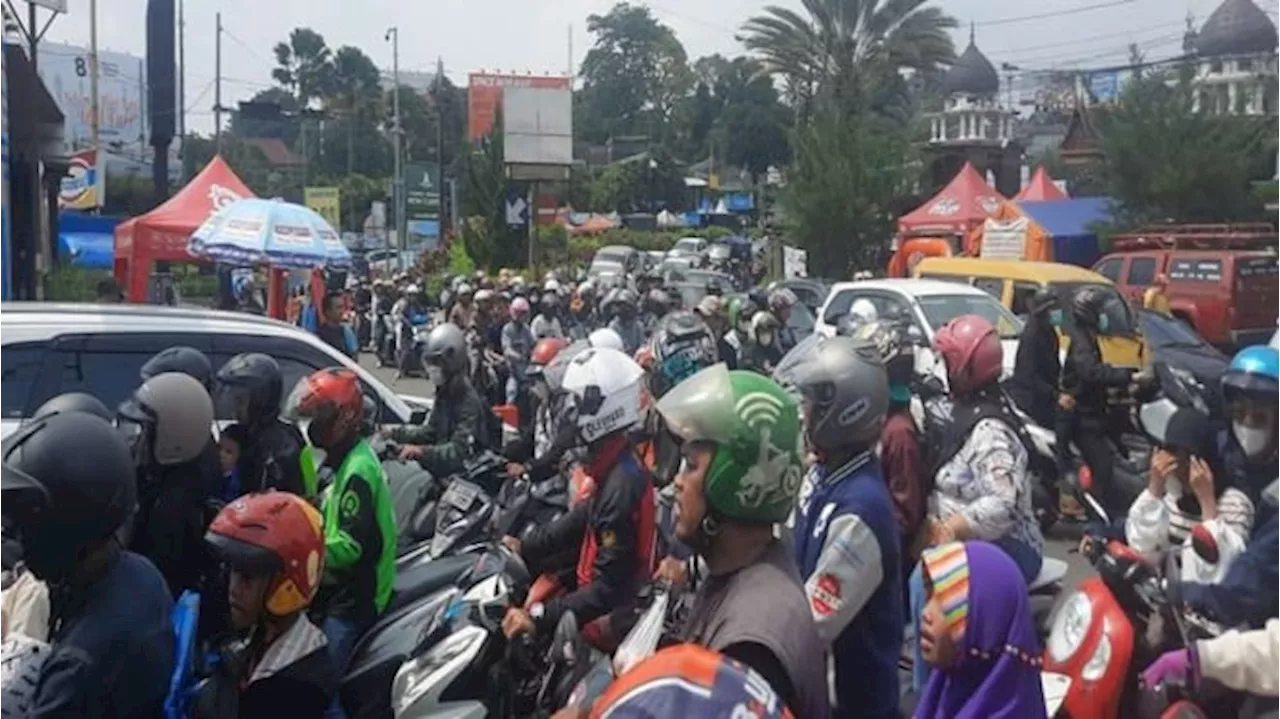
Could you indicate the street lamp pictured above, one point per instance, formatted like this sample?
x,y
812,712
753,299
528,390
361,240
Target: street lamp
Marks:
x,y
397,182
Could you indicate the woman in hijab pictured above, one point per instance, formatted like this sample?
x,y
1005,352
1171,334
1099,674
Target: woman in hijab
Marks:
x,y
982,645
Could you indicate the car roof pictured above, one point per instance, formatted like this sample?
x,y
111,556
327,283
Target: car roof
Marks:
x,y
617,248
908,286
1010,269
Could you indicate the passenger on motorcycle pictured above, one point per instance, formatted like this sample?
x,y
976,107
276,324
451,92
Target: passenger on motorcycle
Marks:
x,y
167,422
274,546
981,486
781,301
741,310
359,519
69,489
614,529
542,428
762,352
192,362
621,308
579,322
409,311
846,540
657,303
558,434
979,634
1182,492
464,311
740,435
1245,661
1034,384
713,312
276,455
459,424
517,344
547,323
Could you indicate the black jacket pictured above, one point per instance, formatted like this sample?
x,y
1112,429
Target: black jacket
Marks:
x,y
459,426
272,459
760,358
1037,370
728,355
175,506
304,688
1087,377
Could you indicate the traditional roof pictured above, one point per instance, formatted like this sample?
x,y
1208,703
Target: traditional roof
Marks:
x,y
972,73
1237,27
1040,188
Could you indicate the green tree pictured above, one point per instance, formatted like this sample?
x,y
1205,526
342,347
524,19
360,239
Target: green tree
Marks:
x,y
303,65
1164,161
483,200
357,192
354,95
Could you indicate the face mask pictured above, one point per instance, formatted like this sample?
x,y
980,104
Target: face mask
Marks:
x,y
435,375
1055,317
1104,323
1252,440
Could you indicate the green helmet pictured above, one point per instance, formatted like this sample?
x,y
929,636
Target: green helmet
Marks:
x,y
755,472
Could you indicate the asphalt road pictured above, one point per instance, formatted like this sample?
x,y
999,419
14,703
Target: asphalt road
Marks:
x,y
1058,544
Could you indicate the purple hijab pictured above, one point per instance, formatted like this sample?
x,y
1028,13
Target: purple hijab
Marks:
x,y
997,669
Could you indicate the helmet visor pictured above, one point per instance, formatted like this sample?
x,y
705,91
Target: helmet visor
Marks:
x,y
305,403
234,400
701,408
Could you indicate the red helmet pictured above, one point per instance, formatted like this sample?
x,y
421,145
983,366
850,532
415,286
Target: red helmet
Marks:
x,y
277,533
546,350
326,395
971,349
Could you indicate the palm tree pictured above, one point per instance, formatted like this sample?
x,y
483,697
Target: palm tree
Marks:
x,y
844,48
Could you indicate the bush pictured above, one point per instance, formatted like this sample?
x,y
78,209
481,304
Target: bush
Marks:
x,y
73,284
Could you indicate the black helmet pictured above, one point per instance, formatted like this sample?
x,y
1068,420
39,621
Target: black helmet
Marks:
x,y
682,346
250,388
1043,300
75,402
446,348
187,360
658,302
1086,305
68,483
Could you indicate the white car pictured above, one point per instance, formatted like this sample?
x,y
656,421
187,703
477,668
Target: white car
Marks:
x,y
925,306
688,247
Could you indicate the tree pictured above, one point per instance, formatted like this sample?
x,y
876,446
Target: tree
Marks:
x,y
846,48
354,95
357,193
753,122
484,195
1164,161
304,65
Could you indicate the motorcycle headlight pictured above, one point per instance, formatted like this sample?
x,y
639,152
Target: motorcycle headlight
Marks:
x,y
1069,627
1097,664
432,672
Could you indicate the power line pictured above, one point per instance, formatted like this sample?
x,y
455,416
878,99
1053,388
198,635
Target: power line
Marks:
x,y
1052,13
1002,52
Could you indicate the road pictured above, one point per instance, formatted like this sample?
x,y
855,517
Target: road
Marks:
x,y
1058,544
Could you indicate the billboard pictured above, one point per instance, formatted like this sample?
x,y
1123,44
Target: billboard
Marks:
x,y
327,202
484,96
121,87
537,125
84,187
421,205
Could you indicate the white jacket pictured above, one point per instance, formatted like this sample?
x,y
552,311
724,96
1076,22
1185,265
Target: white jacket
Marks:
x,y
1155,524
1244,661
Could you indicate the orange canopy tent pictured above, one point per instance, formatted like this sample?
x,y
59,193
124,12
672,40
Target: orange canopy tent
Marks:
x,y
594,225
1041,188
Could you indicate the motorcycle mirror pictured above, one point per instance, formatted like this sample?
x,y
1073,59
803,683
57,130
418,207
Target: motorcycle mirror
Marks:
x,y
1204,544
418,416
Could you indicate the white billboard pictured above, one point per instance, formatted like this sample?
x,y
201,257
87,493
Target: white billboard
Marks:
x,y
538,125
122,87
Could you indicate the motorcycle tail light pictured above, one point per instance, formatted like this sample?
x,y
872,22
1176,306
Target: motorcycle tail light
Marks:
x,y
1085,478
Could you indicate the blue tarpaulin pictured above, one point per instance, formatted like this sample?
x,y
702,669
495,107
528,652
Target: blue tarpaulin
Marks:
x,y
1069,223
87,240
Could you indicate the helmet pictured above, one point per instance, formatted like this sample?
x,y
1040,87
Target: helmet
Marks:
x,y
484,295
846,391
550,299
710,306
865,310
553,373
546,350
1043,300
187,360
1087,304
741,310
519,307
971,350
551,285
658,302
75,402
1254,370
446,348
277,533
624,298
764,322
172,414
681,347
899,364
605,388
755,425
326,395
464,290
689,680
68,482
413,289
250,385
781,299
605,337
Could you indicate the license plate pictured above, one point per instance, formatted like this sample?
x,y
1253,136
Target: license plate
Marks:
x,y
460,494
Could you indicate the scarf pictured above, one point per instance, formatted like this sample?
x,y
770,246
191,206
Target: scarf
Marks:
x,y
997,669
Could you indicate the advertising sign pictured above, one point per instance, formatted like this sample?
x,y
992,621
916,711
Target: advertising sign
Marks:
x,y
537,126
1004,240
65,70
84,187
422,205
327,202
484,96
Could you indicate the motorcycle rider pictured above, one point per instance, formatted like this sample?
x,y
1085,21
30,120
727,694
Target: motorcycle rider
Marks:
x,y
69,489
657,303
547,323
614,529
191,361
625,321
167,420
273,544
276,455
1245,661
740,438
763,352
1034,384
847,544
517,345
409,311
463,312
741,311
713,312
459,424
781,301
359,520
606,338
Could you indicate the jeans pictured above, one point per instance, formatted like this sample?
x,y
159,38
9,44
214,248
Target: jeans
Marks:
x,y
1028,561
341,634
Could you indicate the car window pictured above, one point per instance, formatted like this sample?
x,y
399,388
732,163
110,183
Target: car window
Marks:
x,y
1109,268
1142,271
801,320
108,375
993,286
1162,331
839,306
21,368
1023,292
941,309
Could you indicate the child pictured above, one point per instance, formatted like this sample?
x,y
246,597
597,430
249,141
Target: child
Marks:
x,y
230,440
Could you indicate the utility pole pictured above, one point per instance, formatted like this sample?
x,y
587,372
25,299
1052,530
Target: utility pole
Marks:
x,y
217,84
182,84
94,114
397,182
440,216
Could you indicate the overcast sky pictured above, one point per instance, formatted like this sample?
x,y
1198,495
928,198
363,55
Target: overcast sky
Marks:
x,y
533,35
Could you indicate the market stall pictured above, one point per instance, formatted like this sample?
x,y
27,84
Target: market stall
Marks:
x,y
938,227
1050,231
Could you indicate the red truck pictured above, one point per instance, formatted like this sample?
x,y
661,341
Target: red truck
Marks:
x,y
1222,278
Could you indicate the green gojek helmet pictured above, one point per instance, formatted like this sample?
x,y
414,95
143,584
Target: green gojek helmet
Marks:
x,y
756,470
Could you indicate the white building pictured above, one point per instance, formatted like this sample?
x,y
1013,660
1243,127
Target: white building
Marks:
x,y
1236,69
971,113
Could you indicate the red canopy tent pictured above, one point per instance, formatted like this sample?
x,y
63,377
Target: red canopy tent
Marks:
x,y
1041,188
963,204
162,234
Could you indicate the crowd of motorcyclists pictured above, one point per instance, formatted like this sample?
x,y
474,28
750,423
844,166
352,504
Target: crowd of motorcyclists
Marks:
x,y
807,519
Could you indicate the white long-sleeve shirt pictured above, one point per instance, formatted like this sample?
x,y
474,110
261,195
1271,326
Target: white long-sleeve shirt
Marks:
x,y
1244,661
1155,524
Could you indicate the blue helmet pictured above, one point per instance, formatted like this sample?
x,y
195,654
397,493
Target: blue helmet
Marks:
x,y
1255,370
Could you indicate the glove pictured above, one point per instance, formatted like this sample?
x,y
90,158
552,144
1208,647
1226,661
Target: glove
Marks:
x,y
1174,667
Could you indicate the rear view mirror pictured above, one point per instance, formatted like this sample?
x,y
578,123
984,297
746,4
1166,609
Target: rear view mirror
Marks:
x,y
916,336
418,416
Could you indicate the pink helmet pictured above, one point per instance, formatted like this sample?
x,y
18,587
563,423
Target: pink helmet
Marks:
x,y
519,307
971,349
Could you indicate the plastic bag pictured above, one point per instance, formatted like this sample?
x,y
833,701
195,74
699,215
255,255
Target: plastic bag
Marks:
x,y
643,639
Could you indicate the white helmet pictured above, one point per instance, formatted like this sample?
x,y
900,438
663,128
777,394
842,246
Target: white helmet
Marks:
x,y
604,390
551,285
412,290
605,338
464,289
483,295
865,310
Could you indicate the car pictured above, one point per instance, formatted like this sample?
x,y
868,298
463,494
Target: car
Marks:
x,y
50,348
811,293
923,307
615,259
1173,342
693,247
652,259
387,262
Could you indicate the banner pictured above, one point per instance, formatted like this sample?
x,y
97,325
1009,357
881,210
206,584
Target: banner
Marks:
x,y
84,187
1004,240
795,262
484,96
327,203
421,205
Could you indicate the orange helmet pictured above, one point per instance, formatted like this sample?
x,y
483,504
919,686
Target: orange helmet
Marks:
x,y
277,533
547,349
327,394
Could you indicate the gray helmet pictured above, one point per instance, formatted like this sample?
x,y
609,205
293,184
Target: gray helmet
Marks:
x,y
75,402
846,390
447,349
173,414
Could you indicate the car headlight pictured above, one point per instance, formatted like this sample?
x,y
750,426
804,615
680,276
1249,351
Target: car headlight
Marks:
x,y
431,672
1097,664
1069,627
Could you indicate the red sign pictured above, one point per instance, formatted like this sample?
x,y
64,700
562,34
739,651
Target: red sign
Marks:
x,y
484,96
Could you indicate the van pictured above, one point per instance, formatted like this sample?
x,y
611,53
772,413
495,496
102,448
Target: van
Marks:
x,y
1014,283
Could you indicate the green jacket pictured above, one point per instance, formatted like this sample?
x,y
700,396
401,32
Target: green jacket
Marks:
x,y
458,427
359,539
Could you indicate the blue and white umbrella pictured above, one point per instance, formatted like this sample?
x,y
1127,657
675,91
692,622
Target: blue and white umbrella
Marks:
x,y
254,231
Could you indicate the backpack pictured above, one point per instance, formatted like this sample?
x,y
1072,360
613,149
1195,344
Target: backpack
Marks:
x,y
946,429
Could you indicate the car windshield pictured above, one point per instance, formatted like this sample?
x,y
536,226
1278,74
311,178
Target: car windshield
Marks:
x,y
688,244
1122,321
1162,331
614,257
941,309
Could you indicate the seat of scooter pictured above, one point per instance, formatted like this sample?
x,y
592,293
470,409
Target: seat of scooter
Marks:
x,y
417,579
1052,571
